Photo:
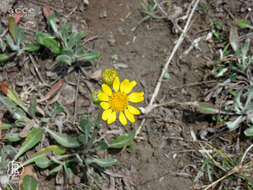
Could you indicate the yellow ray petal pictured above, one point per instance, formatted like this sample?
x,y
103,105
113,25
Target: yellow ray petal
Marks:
x,y
106,114
129,116
136,97
105,105
133,110
116,84
124,85
107,90
103,96
122,118
112,117
130,86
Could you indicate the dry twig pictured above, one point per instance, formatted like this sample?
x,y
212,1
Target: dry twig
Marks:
x,y
165,68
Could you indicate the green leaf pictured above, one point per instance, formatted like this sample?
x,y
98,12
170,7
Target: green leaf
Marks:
x,y
48,41
52,23
57,109
68,171
244,50
64,139
12,27
234,38
101,162
32,108
74,38
4,57
207,108
123,140
232,125
10,42
250,95
237,103
2,45
55,170
43,162
29,183
32,47
13,137
17,112
242,23
31,140
85,125
65,33
88,57
44,152
102,145
95,131
6,126
249,132
64,59
20,36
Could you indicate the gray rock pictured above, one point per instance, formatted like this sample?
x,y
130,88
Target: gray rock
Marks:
x,y
67,94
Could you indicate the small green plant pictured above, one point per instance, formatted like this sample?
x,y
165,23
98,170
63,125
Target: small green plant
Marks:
x,y
65,44
67,151
14,39
149,9
244,112
218,165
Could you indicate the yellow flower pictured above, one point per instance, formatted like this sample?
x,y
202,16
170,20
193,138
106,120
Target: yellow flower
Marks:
x,y
118,101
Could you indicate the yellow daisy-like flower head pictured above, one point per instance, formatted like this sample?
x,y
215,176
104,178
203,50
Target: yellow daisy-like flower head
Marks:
x,y
117,101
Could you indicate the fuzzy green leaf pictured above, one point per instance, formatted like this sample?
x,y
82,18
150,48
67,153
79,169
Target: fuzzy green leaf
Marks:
x,y
48,41
234,39
122,140
250,96
12,137
44,152
207,108
31,140
32,47
232,125
249,132
88,57
32,108
101,162
20,36
64,139
43,162
55,170
6,126
52,23
29,183
64,59
85,125
65,33
2,45
17,112
11,43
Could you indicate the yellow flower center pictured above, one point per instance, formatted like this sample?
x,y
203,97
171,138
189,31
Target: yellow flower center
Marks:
x,y
118,101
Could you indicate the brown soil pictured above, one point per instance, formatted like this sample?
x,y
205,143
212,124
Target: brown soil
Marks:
x,y
162,159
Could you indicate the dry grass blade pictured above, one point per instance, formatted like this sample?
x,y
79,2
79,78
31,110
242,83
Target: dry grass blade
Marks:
x,y
53,91
26,129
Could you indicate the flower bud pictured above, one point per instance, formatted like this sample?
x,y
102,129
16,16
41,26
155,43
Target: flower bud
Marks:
x,y
94,96
109,76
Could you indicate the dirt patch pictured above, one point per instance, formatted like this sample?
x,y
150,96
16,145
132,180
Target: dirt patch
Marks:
x,y
163,159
